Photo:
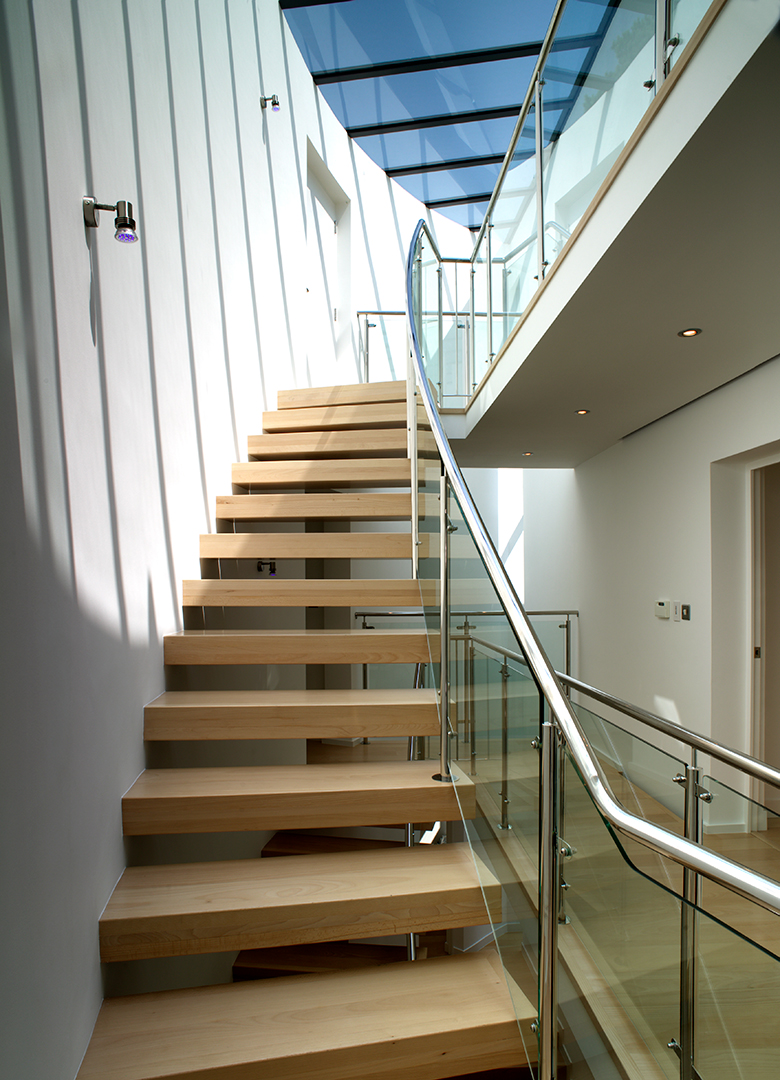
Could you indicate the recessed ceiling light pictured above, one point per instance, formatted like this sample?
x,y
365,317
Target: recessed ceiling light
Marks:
x,y
692,331
528,453
582,412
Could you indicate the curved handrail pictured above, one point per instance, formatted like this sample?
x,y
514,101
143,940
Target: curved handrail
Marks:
x,y
723,871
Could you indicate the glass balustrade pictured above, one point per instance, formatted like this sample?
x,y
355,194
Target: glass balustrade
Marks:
x,y
624,955
588,95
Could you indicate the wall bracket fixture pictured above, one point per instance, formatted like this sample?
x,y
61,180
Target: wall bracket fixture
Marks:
x,y
124,223
274,101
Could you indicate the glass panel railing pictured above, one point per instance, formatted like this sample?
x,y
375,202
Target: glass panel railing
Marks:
x,y
736,1002
513,237
748,833
596,81
426,298
641,775
494,716
623,932
610,908
593,100
632,931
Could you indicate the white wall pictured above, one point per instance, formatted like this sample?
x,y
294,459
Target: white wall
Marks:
x,y
664,514
131,377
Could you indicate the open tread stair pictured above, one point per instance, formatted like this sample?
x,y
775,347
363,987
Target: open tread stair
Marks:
x,y
287,592
427,1020
248,798
355,394
340,417
192,908
420,1021
348,472
290,714
285,545
298,647
350,443
382,506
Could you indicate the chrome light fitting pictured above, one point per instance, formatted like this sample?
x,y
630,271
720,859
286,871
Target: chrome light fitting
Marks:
x,y
274,101
124,223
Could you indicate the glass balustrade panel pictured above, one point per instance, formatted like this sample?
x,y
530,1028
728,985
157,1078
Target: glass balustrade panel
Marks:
x,y
621,940
641,774
482,346
748,833
515,267
382,346
551,631
586,121
425,298
456,322
494,715
737,1000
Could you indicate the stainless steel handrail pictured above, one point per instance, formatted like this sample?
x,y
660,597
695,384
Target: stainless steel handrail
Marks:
x,y
723,871
759,770
418,613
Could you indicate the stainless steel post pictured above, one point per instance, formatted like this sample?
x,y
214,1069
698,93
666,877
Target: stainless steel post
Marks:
x,y
471,702
489,290
444,631
473,332
411,943
689,926
539,181
440,276
661,37
411,444
504,747
549,877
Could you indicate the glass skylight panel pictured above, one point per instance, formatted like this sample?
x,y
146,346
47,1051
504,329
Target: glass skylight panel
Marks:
x,y
428,187
374,31
430,93
365,33
439,144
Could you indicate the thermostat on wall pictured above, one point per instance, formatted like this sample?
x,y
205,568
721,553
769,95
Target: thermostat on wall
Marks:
x,y
662,609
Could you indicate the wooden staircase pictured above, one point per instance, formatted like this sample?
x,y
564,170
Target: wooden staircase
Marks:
x,y
361,1012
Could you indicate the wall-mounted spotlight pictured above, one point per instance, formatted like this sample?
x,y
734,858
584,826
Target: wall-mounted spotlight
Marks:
x,y
123,222
274,102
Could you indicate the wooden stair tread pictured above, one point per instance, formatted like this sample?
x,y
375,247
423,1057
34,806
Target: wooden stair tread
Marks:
x,y
345,472
240,799
192,908
352,442
299,647
275,545
418,1021
382,506
318,956
300,592
348,394
335,417
314,714
285,843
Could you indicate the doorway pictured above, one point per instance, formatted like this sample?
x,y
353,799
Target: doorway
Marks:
x,y
766,622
